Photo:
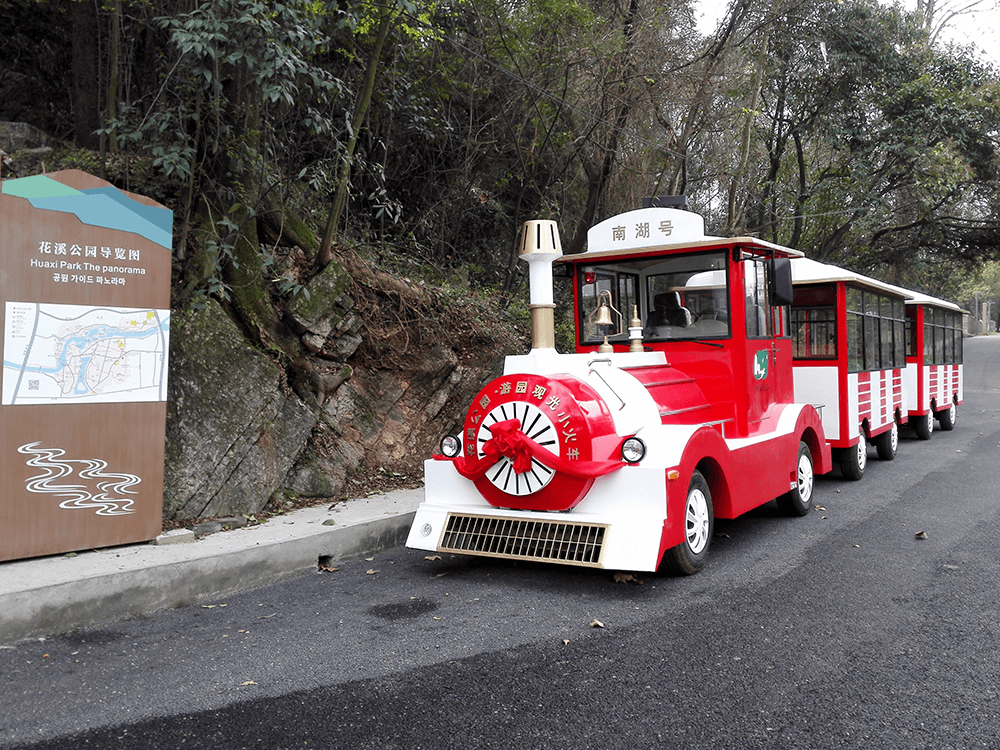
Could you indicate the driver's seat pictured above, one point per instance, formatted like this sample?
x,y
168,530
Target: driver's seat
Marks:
x,y
667,311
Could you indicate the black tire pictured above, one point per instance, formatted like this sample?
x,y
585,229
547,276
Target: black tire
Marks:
x,y
798,502
853,460
924,425
947,418
888,443
688,557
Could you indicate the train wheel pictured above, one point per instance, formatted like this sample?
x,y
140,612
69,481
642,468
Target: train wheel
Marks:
x,y
797,502
924,426
854,460
947,417
888,443
688,557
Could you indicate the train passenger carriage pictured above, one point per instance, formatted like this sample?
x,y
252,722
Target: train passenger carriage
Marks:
x,y
849,338
934,371
676,407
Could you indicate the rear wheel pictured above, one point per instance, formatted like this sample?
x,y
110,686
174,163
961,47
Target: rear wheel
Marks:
x,y
854,459
947,417
924,425
796,502
888,443
688,557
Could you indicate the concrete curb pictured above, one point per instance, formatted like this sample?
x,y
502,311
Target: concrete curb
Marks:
x,y
56,594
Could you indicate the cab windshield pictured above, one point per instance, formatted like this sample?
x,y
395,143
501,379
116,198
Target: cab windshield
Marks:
x,y
676,298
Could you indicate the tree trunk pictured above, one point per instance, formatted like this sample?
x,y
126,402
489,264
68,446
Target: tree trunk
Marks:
x,y
734,216
597,182
387,16
86,73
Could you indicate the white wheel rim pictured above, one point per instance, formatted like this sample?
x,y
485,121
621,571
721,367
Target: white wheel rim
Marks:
x,y
930,422
952,413
894,437
805,479
862,453
697,521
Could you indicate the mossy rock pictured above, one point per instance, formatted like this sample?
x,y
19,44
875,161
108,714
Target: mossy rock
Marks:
x,y
233,431
323,303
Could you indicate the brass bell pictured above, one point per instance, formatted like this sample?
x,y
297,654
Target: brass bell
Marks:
x,y
603,316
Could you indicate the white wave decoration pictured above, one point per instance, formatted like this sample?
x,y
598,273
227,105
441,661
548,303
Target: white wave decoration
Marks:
x,y
102,491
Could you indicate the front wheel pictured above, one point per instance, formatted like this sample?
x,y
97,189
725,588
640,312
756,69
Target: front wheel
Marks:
x,y
947,417
854,459
924,425
796,502
888,443
688,557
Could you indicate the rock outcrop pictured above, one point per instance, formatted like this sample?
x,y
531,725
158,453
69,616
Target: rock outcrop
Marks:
x,y
241,429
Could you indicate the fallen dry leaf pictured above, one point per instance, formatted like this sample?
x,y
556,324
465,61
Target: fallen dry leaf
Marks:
x,y
248,682
627,578
597,624
921,535
328,569
565,641
433,557
370,572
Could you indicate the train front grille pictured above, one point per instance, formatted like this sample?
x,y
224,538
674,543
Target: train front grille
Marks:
x,y
525,539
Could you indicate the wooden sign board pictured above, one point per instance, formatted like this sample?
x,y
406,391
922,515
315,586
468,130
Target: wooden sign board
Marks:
x,y
85,322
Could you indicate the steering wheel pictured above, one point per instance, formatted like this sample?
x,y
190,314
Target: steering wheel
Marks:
x,y
712,314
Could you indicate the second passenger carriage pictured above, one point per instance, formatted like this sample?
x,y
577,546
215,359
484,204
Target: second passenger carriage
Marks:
x,y
849,336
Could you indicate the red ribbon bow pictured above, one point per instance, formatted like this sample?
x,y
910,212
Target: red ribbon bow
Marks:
x,y
509,441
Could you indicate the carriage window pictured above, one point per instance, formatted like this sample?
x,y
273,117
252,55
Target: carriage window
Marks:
x,y
942,337
900,327
855,330
814,323
911,332
876,331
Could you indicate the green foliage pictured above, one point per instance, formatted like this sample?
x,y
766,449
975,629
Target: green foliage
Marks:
x,y
869,146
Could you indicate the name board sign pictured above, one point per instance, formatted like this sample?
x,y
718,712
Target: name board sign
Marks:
x,y
646,227
85,319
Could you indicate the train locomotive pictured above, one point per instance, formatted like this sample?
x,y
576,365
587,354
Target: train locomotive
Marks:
x,y
676,408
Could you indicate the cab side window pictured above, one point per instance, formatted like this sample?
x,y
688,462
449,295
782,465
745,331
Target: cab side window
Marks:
x,y
758,303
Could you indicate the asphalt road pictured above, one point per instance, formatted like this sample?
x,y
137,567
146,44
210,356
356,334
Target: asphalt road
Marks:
x,y
841,629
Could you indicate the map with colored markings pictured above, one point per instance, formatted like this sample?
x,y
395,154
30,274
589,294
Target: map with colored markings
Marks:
x,y
58,354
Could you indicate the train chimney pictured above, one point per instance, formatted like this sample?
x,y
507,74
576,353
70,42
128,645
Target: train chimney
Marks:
x,y
539,247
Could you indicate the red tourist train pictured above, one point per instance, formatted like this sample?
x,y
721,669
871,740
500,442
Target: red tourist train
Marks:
x,y
681,404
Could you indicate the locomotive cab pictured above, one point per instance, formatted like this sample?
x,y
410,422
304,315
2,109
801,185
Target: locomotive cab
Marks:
x,y
675,408
717,309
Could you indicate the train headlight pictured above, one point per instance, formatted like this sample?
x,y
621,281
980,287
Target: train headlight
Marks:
x,y
633,450
451,446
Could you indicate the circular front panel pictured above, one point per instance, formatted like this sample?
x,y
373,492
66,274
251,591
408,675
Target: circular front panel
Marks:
x,y
561,414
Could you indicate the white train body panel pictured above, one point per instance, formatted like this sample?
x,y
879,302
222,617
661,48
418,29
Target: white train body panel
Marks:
x,y
820,387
